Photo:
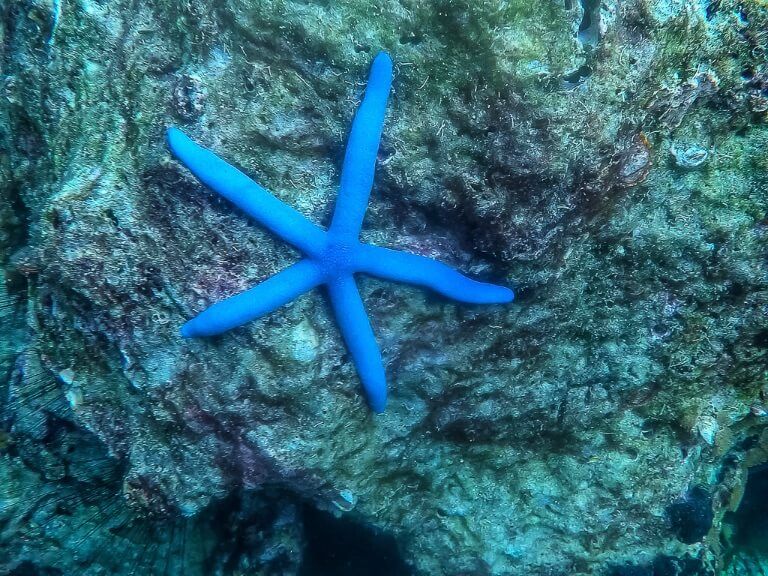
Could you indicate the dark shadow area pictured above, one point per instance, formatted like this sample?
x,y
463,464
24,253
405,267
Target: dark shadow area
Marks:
x,y
29,569
589,28
343,547
691,516
577,76
747,527
664,566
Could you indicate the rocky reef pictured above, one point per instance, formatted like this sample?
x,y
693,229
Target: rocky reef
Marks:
x,y
607,159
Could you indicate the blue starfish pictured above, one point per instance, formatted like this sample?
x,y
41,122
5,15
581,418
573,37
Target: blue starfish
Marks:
x,y
331,257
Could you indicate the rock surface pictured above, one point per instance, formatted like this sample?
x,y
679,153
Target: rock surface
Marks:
x,y
601,424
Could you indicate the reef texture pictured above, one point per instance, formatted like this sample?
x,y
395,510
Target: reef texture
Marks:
x,y
607,160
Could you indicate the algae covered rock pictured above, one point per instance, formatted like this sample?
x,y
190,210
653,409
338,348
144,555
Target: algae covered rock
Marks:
x,y
608,160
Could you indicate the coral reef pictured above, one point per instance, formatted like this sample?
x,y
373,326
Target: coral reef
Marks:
x,y
606,159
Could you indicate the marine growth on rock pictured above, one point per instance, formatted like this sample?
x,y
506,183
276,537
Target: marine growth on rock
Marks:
x,y
606,159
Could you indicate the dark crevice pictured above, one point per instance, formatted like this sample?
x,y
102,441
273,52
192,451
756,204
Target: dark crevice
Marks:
x,y
760,340
691,516
577,76
712,8
589,28
589,37
29,569
17,228
344,547
23,147
745,530
664,566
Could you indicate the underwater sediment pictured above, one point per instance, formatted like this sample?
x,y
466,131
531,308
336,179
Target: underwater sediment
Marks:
x,y
607,160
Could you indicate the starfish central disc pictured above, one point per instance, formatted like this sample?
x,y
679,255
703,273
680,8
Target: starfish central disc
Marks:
x,y
338,257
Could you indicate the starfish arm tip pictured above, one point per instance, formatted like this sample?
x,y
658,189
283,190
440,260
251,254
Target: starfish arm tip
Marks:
x,y
362,149
473,292
229,182
174,137
358,335
195,328
186,331
506,295
375,386
255,302
378,406
423,271
382,62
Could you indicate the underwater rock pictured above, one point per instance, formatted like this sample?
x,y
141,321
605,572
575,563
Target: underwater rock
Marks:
x,y
552,436
188,98
635,162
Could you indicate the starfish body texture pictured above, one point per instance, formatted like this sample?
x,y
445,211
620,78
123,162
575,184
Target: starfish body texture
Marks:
x,y
331,257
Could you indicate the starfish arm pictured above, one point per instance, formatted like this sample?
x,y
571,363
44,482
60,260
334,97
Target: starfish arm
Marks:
x,y
259,300
358,335
422,271
362,149
257,202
